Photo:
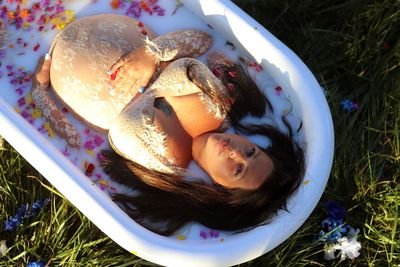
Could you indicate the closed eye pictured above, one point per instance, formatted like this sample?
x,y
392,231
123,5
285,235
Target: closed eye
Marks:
x,y
251,152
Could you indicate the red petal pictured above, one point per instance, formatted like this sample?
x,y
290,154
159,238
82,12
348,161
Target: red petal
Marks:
x,y
89,169
233,74
36,47
114,75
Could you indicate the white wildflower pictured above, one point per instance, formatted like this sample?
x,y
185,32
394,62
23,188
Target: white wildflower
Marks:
x,y
330,251
3,248
349,248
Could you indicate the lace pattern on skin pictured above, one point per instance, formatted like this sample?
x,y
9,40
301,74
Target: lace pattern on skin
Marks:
x,y
216,58
174,82
3,34
135,136
179,44
58,121
91,45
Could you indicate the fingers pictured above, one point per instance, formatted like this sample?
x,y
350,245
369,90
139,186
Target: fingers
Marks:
x,y
123,79
42,72
118,77
118,64
47,63
39,64
123,85
44,64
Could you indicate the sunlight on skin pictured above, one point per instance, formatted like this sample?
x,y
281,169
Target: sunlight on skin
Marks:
x,y
232,160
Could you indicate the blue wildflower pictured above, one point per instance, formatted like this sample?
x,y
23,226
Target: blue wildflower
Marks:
x,y
349,105
24,212
337,235
37,206
21,212
11,224
335,211
36,264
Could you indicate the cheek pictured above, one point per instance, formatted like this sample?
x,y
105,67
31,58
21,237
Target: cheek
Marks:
x,y
221,172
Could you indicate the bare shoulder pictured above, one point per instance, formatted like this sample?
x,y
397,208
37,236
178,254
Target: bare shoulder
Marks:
x,y
178,141
193,114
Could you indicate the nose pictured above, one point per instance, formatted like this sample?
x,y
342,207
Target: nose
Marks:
x,y
235,153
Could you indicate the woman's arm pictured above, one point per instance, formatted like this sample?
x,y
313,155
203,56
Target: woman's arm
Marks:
x,y
188,101
184,76
184,43
217,59
137,67
46,105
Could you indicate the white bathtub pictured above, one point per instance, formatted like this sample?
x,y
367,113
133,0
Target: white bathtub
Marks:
x,y
308,102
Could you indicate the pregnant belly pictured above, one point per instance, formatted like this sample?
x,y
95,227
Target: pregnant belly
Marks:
x,y
82,53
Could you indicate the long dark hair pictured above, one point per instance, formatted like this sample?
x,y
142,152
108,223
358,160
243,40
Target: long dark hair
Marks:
x,y
165,202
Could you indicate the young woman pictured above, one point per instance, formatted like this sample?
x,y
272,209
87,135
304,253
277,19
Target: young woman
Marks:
x,y
159,120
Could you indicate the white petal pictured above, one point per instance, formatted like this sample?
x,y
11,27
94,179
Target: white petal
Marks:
x,y
3,248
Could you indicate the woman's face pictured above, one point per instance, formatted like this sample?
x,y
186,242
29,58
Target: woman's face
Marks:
x,y
232,160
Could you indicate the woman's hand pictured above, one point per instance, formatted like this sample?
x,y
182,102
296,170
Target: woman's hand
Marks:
x,y
42,72
133,70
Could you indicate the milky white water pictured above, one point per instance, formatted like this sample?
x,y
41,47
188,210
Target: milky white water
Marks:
x,y
17,56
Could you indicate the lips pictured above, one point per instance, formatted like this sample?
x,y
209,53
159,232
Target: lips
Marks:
x,y
223,145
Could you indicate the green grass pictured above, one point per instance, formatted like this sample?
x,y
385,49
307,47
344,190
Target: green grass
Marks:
x,y
353,48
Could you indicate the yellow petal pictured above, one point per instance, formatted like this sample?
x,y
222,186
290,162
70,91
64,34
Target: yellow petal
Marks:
x,y
90,152
181,237
36,114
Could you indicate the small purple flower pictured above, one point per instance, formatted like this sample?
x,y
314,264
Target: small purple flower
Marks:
x,y
66,152
161,12
21,101
214,234
98,141
20,90
31,18
89,145
25,114
203,234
